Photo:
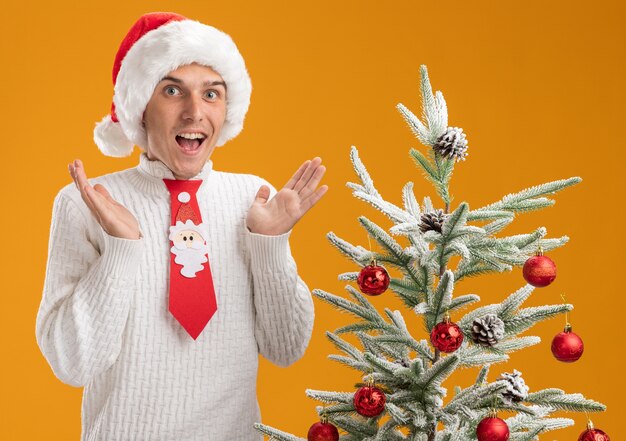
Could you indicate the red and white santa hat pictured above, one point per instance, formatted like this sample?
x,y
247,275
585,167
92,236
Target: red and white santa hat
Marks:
x,y
158,43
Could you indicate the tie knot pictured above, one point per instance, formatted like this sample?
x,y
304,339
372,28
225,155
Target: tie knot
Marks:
x,y
177,186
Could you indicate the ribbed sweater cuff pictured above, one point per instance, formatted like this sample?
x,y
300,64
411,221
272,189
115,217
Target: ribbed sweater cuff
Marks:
x,y
269,251
121,257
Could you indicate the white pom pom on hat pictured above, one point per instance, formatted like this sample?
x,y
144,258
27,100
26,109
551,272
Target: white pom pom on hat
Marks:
x,y
158,43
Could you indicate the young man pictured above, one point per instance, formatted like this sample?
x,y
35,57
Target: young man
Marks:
x,y
166,280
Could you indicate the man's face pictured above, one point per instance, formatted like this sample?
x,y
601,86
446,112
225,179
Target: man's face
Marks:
x,y
184,118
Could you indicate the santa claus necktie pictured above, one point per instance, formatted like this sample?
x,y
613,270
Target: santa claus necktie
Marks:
x,y
192,295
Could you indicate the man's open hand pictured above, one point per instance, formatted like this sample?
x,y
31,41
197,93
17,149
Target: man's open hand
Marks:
x,y
280,214
112,216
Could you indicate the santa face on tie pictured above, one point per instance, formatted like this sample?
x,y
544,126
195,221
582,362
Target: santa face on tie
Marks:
x,y
189,247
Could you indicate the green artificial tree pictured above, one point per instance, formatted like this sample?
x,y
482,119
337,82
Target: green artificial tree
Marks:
x,y
410,371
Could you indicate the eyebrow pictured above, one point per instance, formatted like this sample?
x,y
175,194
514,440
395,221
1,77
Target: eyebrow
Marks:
x,y
206,83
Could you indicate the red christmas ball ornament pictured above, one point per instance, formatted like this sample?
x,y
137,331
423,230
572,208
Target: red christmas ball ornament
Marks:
x,y
373,279
446,336
369,401
492,428
592,434
539,270
323,431
567,346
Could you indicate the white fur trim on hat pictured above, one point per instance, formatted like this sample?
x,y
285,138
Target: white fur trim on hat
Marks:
x,y
110,138
163,50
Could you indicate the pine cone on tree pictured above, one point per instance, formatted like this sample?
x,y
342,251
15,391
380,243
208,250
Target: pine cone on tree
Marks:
x,y
487,330
516,389
452,144
432,221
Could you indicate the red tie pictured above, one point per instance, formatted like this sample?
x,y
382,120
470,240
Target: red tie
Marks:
x,y
192,295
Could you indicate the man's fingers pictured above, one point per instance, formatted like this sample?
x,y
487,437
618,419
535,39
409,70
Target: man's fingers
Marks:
x,y
94,200
70,168
313,181
263,194
313,165
296,176
104,192
80,179
79,172
314,198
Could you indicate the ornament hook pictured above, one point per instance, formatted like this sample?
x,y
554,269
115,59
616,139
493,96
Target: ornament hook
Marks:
x,y
369,242
493,413
568,326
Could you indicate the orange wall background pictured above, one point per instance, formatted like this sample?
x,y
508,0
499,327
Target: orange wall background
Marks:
x,y
537,86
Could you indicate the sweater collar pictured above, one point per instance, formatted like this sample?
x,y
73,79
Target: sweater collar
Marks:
x,y
157,169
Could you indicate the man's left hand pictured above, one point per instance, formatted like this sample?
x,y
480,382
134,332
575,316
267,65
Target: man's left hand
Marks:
x,y
280,214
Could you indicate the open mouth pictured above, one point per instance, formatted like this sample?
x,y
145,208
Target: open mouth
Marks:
x,y
190,142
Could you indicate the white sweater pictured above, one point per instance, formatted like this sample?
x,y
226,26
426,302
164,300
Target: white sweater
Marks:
x,y
104,322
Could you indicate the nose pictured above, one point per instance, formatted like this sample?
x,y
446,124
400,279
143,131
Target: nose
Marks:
x,y
193,108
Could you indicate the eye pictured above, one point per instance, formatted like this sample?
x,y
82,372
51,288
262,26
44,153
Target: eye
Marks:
x,y
212,94
171,90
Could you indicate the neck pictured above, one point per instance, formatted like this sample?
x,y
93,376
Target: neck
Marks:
x,y
182,177
178,177
157,169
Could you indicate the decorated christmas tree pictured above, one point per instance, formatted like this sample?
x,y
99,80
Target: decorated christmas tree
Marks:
x,y
402,396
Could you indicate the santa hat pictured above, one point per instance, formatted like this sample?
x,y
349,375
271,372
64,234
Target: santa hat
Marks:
x,y
158,43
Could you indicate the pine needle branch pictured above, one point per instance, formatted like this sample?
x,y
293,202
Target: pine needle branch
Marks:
x,y
358,254
432,109
417,127
570,402
410,203
277,435
440,300
429,172
344,346
529,199
330,397
438,372
361,171
345,305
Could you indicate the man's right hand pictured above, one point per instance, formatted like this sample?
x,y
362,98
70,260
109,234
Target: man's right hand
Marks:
x,y
112,216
